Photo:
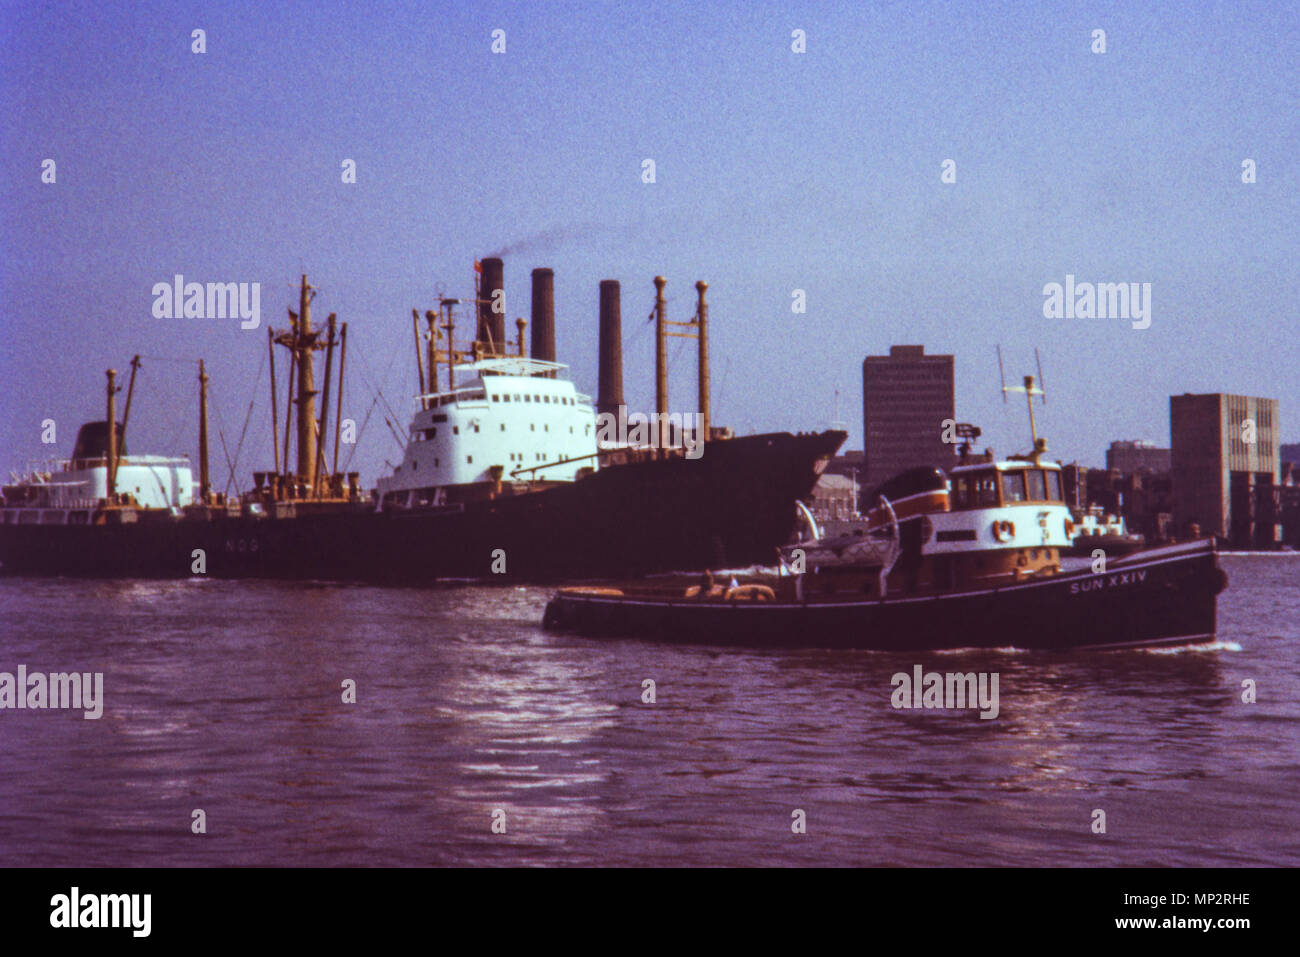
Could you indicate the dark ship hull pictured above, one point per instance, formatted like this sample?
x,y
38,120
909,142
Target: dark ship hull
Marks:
x,y
1165,596
734,505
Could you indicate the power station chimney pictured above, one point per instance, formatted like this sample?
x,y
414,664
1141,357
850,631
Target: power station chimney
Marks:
x,y
661,349
492,325
544,314
610,392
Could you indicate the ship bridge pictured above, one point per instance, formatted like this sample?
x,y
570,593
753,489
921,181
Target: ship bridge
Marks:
x,y
504,418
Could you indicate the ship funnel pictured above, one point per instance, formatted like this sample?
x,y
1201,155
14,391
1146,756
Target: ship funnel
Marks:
x,y
544,314
492,325
610,395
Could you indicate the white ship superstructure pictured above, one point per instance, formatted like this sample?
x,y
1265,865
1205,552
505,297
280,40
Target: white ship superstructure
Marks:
x,y
508,419
72,491
151,481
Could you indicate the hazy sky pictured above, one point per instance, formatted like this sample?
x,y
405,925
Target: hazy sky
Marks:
x,y
775,171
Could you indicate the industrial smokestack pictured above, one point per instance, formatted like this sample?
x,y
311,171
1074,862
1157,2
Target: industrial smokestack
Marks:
x,y
544,314
492,325
610,394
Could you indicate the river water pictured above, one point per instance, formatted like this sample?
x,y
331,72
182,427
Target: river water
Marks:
x,y
227,697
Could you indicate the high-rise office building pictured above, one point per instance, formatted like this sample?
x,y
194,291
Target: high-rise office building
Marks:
x,y
1225,466
906,396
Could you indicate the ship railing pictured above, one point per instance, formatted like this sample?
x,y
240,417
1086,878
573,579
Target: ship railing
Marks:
x,y
512,365
468,394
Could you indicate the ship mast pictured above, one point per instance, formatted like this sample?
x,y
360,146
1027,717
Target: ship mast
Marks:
x,y
697,327
205,488
111,457
1030,389
302,341
126,415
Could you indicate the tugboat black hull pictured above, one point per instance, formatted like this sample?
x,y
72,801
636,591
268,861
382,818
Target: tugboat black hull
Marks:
x,y
1165,596
732,506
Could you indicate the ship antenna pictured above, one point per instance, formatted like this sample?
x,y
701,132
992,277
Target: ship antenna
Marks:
x,y
1030,389
1002,376
1041,381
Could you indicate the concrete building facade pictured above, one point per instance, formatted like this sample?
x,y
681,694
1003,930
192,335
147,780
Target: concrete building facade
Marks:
x,y
1132,456
1226,467
906,397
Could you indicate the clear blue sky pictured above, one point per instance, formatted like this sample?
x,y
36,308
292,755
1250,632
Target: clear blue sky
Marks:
x,y
775,171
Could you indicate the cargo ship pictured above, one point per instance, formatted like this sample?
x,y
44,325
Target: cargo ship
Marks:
x,y
509,473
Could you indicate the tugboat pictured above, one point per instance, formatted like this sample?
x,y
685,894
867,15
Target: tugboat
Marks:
x,y
504,476
969,559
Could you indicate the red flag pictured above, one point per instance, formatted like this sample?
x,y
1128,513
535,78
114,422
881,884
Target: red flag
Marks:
x,y
478,266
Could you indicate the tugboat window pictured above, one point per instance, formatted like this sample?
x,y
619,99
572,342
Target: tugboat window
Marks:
x,y
1054,486
1013,486
1037,487
985,488
960,492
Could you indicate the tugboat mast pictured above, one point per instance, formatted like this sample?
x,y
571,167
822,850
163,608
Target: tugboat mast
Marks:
x,y
1030,389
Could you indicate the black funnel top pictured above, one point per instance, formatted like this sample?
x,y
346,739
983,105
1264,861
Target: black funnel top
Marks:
x,y
92,441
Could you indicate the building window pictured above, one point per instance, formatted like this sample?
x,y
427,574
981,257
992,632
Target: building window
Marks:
x,y
503,426
455,430
469,459
496,398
